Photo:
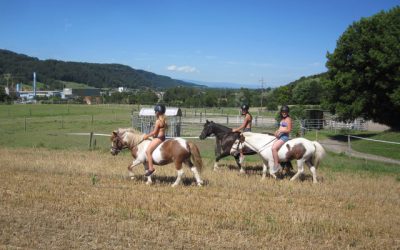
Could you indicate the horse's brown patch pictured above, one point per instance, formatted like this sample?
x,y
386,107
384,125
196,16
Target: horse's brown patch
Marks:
x,y
172,151
296,152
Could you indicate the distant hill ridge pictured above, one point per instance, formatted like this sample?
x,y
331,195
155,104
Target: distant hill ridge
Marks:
x,y
54,72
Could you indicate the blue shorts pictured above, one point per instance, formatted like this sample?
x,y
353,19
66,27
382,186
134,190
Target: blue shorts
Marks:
x,y
247,130
284,137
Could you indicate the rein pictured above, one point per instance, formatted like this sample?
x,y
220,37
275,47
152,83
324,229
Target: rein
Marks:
x,y
263,147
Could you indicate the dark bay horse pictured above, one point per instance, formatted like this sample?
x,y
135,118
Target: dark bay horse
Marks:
x,y
225,139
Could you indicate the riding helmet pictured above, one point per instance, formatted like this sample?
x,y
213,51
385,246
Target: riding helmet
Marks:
x,y
245,107
159,108
285,108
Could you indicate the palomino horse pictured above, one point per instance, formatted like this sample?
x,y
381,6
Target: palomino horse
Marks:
x,y
175,150
225,139
301,149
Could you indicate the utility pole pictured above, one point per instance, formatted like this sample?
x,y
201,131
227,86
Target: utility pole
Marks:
x,y
262,92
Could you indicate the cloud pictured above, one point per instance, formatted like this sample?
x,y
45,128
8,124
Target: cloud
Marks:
x,y
185,69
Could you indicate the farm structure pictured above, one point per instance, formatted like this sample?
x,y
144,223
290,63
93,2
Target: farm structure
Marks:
x,y
146,119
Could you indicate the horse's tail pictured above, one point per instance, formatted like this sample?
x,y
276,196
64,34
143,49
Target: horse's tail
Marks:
x,y
196,157
319,153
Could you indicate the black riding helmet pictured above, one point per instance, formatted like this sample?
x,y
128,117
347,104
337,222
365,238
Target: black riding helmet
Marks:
x,y
159,108
245,107
285,108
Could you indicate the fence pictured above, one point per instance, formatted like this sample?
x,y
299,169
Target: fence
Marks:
x,y
312,124
388,151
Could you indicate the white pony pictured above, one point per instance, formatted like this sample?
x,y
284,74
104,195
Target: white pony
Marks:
x,y
301,149
176,150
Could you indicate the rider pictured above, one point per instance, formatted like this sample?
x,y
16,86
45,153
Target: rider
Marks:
x,y
246,125
282,134
159,136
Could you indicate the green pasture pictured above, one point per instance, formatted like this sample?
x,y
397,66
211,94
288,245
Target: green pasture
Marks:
x,y
49,126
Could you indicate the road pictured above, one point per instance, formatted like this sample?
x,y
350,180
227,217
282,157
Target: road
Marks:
x,y
342,147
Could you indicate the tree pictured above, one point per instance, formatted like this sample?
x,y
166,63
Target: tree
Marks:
x,y
308,92
364,70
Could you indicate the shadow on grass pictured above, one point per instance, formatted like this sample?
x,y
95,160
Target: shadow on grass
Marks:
x,y
168,180
287,172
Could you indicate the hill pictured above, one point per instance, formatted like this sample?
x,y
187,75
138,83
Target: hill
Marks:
x,y
19,68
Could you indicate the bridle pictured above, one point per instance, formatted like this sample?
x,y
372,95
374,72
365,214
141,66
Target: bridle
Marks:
x,y
119,145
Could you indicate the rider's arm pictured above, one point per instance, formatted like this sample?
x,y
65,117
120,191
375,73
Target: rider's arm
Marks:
x,y
154,132
241,126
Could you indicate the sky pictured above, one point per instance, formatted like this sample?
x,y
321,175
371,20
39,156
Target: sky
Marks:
x,y
242,42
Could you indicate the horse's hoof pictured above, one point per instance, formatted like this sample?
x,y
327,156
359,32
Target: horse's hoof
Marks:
x,y
132,177
174,185
242,171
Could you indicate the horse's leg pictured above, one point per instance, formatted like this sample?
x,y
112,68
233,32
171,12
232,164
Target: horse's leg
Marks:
x,y
130,168
237,159
195,172
216,167
272,170
178,166
149,180
217,158
300,169
313,171
266,163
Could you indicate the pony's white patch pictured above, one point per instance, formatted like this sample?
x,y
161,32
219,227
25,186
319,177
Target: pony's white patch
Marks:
x,y
182,142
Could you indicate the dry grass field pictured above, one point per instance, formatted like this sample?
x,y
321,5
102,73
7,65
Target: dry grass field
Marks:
x,y
66,199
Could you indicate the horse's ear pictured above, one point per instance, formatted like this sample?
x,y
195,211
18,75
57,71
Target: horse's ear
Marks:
x,y
115,133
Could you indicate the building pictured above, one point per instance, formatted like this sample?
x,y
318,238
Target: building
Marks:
x,y
89,95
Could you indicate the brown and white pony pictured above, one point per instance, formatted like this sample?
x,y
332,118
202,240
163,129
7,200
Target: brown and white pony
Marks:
x,y
175,150
300,149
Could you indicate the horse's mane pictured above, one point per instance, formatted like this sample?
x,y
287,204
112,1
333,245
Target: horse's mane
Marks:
x,y
221,126
131,135
130,130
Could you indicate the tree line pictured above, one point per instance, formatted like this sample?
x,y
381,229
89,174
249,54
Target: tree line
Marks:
x,y
17,68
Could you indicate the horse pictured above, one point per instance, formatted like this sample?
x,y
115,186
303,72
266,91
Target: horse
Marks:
x,y
225,139
176,150
301,149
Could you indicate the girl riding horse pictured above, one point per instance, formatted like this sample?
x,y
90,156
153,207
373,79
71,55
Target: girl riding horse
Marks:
x,y
159,136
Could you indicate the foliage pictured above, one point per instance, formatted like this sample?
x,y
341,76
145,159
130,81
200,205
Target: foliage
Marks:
x,y
198,97
145,96
304,91
309,91
4,98
19,68
364,70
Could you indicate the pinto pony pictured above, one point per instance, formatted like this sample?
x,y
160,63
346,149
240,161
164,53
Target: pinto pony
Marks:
x,y
176,150
300,149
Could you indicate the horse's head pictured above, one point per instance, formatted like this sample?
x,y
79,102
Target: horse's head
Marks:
x,y
117,143
207,130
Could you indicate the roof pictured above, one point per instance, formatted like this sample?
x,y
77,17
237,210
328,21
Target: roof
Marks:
x,y
168,112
